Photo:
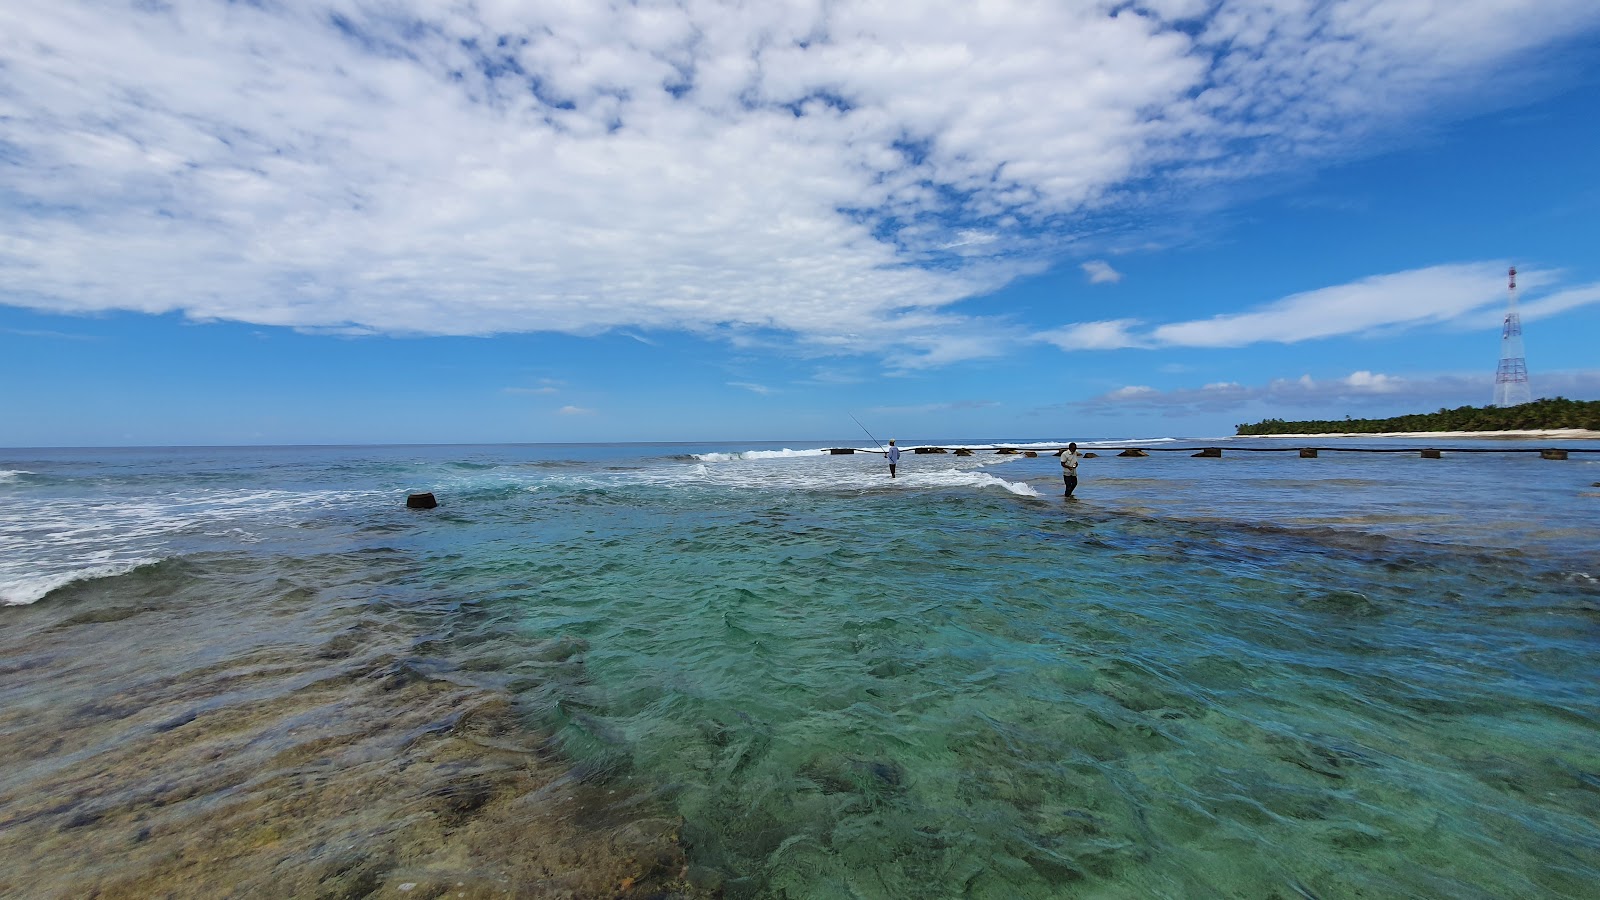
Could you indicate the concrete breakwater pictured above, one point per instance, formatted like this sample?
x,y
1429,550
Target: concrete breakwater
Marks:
x,y
1553,453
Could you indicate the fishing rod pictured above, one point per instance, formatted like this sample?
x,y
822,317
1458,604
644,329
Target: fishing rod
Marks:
x,y
864,428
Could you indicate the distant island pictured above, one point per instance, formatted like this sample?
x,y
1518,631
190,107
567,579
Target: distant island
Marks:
x,y
1540,415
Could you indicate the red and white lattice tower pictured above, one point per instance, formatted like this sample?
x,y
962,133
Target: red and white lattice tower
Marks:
x,y
1511,379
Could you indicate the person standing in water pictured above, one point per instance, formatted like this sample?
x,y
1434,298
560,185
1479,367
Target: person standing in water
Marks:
x,y
894,456
1069,468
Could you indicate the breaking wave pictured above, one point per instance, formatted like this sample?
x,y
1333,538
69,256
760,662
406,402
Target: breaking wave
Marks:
x,y
26,589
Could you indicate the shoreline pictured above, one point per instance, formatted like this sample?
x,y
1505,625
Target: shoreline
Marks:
x,y
1566,434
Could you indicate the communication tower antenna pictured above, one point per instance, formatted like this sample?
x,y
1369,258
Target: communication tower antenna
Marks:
x,y
1511,378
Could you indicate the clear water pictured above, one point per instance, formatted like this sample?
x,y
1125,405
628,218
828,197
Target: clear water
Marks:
x,y
1360,675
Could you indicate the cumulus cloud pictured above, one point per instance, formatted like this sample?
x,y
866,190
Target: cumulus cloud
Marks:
x,y
1416,393
1100,272
1374,383
833,173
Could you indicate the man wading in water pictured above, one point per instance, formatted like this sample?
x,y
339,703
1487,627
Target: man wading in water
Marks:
x,y
894,456
1069,468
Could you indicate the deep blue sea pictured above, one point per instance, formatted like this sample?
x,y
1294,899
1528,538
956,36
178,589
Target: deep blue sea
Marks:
x,y
763,670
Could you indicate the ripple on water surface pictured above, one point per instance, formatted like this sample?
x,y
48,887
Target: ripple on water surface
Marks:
x,y
942,694
221,726
786,675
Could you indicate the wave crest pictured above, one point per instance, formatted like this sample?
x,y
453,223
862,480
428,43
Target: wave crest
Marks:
x,y
28,589
755,454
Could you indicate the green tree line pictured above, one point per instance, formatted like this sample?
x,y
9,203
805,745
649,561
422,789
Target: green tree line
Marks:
x,y
1550,412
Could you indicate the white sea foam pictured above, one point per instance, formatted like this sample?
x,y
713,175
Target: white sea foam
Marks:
x,y
1052,446
972,479
757,454
22,590
56,541
9,475
804,471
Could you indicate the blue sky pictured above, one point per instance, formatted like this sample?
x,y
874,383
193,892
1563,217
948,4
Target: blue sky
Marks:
x,y
345,222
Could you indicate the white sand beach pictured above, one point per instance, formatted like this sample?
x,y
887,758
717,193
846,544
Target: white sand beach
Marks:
x,y
1565,434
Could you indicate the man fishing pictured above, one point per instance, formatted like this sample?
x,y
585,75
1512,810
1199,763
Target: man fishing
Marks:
x,y
894,456
1069,468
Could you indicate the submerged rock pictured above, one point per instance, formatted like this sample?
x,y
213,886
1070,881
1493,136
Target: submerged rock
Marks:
x,y
872,778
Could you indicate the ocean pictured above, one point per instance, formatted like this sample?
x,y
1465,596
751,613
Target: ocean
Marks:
x,y
763,670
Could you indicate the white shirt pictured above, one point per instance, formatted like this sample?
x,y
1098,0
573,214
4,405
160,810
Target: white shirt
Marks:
x,y
1069,462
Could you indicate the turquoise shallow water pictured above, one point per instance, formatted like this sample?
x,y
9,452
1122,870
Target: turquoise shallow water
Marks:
x,y
1258,676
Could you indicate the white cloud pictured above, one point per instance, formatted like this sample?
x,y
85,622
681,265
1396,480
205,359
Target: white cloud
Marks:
x,y
1353,392
1100,272
545,387
1376,383
52,335
832,172
926,408
574,411
1131,391
1469,295
1555,304
1114,334
1420,296
753,388
928,341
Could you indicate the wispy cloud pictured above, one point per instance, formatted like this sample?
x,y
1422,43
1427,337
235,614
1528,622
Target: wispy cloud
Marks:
x,y
923,408
1468,295
50,335
1542,307
835,376
574,411
753,388
1421,296
1100,272
1114,334
544,387
835,173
